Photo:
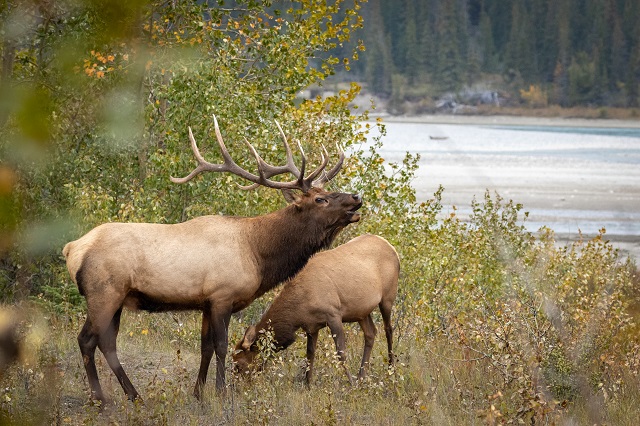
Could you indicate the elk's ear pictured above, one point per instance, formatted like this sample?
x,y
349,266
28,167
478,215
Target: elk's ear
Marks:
x,y
249,338
291,196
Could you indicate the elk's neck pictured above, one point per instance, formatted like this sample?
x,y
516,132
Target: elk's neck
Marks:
x,y
281,323
283,241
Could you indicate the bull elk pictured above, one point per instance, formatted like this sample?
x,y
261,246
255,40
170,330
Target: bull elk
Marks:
x,y
216,264
336,286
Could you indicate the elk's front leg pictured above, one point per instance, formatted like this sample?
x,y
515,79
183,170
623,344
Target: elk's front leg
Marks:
x,y
369,330
220,325
312,342
206,351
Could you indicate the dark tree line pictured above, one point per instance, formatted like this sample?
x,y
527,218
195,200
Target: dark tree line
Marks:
x,y
579,52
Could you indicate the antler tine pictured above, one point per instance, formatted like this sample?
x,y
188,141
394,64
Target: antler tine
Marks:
x,y
265,170
301,181
319,170
287,149
223,148
276,170
327,176
335,169
203,165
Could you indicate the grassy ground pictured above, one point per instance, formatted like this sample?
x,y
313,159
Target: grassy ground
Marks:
x,y
436,381
492,325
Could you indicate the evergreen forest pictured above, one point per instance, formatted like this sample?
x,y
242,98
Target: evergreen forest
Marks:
x,y
535,52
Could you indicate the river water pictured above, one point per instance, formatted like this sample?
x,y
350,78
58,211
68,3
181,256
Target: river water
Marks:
x,y
571,179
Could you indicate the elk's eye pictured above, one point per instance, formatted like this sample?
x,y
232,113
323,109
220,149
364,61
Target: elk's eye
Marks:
x,y
321,200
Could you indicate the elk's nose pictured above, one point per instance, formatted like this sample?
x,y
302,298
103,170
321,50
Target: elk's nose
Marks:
x,y
356,197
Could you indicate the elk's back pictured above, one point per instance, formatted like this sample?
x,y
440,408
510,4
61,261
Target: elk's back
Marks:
x,y
199,257
352,278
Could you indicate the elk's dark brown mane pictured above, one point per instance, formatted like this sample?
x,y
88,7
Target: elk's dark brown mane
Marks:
x,y
286,242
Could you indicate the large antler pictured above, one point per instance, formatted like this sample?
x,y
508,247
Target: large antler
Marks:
x,y
265,170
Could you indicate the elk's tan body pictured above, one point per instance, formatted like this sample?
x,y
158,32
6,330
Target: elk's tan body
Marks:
x,y
190,263
341,285
217,264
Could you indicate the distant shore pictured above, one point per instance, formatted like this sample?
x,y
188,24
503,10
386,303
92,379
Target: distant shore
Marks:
x,y
512,120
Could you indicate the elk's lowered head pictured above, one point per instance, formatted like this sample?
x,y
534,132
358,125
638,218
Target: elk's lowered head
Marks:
x,y
244,355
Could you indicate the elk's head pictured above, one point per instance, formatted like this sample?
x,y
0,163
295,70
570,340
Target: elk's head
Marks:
x,y
245,352
332,209
335,209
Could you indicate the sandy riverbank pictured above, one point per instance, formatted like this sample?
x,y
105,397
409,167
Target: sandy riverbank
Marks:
x,y
569,190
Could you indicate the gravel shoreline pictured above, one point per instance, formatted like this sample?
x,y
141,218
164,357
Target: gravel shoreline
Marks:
x,y
510,120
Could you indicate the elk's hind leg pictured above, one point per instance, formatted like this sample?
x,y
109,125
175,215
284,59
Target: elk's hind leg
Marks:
x,y
107,344
385,310
88,341
100,330
215,339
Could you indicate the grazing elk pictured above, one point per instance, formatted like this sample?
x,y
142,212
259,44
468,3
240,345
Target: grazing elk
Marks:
x,y
217,264
336,286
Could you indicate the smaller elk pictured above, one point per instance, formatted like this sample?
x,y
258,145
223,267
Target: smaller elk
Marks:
x,y
336,286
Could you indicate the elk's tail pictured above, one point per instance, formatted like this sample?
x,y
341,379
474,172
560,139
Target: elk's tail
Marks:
x,y
73,259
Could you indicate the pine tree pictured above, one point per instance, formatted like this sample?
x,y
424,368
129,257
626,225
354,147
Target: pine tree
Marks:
x,y
632,82
582,78
427,36
520,50
618,49
450,69
633,79
379,64
560,85
500,13
549,42
410,66
488,49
